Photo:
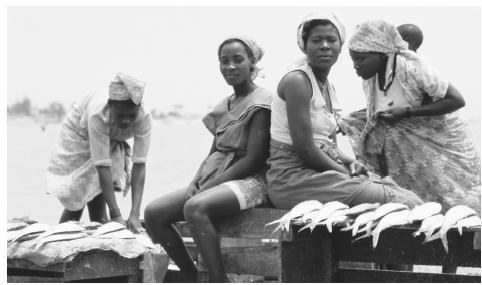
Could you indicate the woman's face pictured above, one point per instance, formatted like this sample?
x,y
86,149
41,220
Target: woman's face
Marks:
x,y
367,64
234,63
123,116
323,46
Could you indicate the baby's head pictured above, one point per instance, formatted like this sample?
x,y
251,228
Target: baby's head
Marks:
x,y
412,35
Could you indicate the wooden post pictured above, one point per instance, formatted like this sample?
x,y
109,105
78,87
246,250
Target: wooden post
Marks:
x,y
307,260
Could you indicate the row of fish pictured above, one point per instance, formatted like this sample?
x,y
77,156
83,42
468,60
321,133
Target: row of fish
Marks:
x,y
44,233
372,218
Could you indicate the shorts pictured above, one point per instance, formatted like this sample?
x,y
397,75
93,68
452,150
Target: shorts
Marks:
x,y
251,191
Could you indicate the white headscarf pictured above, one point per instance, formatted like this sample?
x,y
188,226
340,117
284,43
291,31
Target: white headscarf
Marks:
x,y
125,87
255,49
332,18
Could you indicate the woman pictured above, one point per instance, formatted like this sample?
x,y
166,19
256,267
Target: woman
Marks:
x,y
304,162
92,159
424,147
231,178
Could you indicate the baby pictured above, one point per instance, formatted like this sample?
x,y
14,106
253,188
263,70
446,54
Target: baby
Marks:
x,y
412,35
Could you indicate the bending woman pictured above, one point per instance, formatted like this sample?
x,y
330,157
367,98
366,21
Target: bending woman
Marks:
x,y
423,145
92,159
305,162
231,178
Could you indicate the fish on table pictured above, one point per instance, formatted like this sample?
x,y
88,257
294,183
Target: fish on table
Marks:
x,y
64,236
361,220
423,211
388,208
298,210
472,221
428,224
32,229
67,227
391,219
361,208
108,227
323,213
451,218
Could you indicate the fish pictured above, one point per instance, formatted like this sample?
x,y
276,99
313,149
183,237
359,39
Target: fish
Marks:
x,y
436,224
362,208
60,237
333,220
120,234
15,226
361,220
67,227
322,214
31,229
368,228
388,208
452,216
108,227
389,220
427,223
307,217
421,212
471,221
297,211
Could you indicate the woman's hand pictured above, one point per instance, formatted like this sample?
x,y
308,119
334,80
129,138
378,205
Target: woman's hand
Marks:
x,y
120,220
393,115
357,168
134,224
191,191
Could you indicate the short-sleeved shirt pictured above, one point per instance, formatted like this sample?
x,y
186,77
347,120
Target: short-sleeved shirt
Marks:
x,y
100,132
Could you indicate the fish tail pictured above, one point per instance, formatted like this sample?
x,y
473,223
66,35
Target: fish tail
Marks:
x,y
305,227
460,229
346,228
354,231
443,237
416,234
329,227
432,237
376,235
272,223
360,237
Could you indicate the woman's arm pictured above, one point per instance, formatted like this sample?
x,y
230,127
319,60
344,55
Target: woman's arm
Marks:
x,y
137,184
256,151
107,187
295,88
452,101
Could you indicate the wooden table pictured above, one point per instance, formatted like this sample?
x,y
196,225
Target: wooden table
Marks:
x,y
314,257
89,266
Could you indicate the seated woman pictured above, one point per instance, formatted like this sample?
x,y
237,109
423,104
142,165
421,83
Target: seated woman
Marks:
x,y
231,178
92,159
424,147
304,162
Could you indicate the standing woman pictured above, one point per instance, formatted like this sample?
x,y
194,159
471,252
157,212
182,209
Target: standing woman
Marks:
x,y
424,147
232,177
92,159
305,162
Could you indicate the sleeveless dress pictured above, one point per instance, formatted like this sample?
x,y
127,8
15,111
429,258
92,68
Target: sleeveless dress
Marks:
x,y
290,181
231,129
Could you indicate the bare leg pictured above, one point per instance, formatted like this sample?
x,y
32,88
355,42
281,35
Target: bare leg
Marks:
x,y
97,209
159,215
200,211
68,215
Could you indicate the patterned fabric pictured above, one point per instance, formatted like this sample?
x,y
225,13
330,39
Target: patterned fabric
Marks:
x,y
231,130
84,142
332,18
322,120
250,192
433,156
255,49
125,87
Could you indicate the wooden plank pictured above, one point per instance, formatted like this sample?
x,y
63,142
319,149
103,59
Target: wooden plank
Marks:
x,y
397,246
247,224
25,264
252,260
102,264
376,276
307,260
33,279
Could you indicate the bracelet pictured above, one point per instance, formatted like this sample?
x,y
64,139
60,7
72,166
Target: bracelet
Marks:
x,y
408,112
114,213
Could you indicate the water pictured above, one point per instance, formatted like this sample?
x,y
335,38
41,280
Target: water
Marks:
x,y
177,149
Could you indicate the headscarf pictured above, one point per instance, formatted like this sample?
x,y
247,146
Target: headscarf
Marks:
x,y
125,87
332,18
255,49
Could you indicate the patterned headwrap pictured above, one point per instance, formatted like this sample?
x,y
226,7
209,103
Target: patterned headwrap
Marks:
x,y
332,18
377,36
125,87
255,49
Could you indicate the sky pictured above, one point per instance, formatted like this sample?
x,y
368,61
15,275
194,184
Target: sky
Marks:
x,y
61,53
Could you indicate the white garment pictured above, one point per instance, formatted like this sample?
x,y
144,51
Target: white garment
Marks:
x,y
322,121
